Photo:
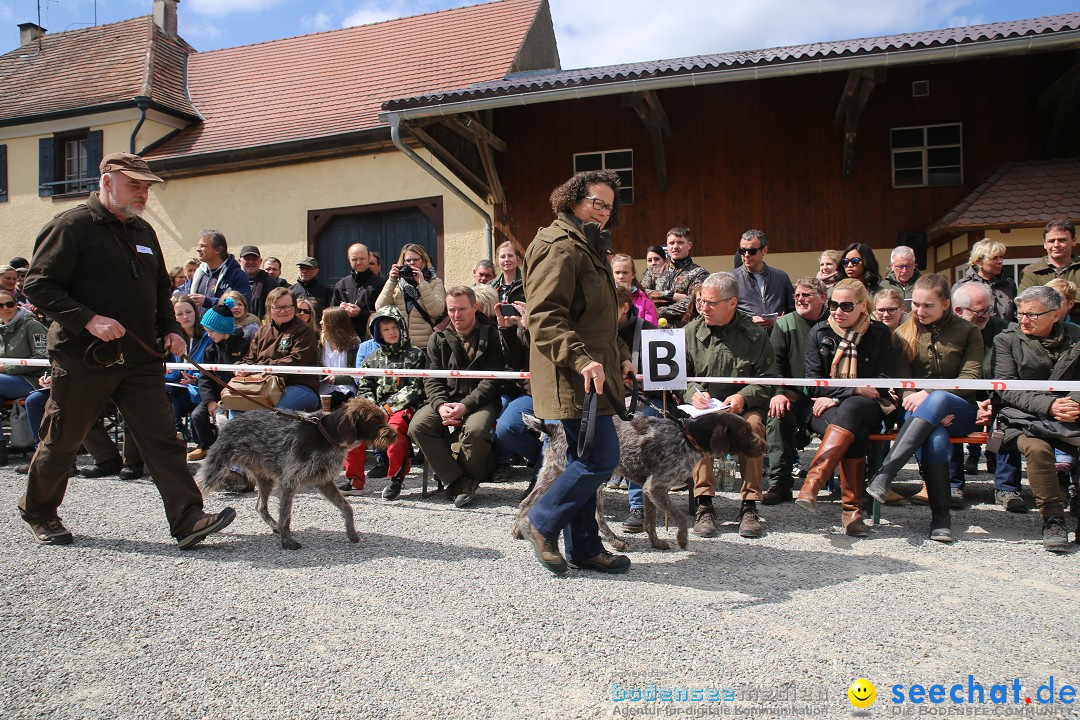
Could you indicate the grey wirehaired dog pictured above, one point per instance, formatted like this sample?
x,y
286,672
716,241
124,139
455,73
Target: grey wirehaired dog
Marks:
x,y
657,453
288,453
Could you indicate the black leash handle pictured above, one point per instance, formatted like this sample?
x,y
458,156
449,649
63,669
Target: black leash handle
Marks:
x,y
587,429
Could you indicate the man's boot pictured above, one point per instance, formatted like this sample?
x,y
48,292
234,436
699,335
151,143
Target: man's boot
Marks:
x,y
937,488
910,438
852,479
834,443
779,492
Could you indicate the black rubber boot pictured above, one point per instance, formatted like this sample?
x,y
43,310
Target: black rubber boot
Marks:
x,y
910,438
937,489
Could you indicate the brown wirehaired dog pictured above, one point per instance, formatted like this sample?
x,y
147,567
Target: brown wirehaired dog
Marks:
x,y
656,453
288,453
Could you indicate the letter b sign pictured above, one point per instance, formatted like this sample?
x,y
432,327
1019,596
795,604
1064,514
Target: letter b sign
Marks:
x,y
663,359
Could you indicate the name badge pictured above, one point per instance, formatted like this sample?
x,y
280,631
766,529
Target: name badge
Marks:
x,y
144,249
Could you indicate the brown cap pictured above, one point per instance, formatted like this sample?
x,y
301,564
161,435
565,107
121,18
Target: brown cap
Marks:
x,y
131,165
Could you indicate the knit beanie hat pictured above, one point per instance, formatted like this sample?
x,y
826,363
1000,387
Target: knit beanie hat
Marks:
x,y
219,318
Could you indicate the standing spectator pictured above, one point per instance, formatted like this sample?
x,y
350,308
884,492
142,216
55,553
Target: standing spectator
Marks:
x,y
483,272
765,293
829,268
22,266
374,262
218,273
903,272
509,285
226,348
622,267
859,263
272,266
287,340
417,292
356,292
1059,240
261,281
686,276
308,285
985,262
21,336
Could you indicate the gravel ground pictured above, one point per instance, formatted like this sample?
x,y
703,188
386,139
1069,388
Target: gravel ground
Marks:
x,y
437,613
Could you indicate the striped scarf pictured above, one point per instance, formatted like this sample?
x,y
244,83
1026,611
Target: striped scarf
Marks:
x,y
845,363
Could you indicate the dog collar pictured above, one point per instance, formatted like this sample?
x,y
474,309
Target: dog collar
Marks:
x,y
691,439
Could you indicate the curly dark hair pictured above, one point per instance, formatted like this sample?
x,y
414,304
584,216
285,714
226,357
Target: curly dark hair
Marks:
x,y
566,197
871,273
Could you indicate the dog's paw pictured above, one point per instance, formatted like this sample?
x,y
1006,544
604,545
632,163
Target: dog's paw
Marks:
x,y
681,538
353,537
289,544
661,544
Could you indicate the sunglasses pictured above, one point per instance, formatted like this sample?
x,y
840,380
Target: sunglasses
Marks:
x,y
303,311
8,305
851,261
845,306
749,251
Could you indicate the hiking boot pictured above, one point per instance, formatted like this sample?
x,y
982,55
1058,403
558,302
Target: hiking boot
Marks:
x,y
613,482
504,473
920,498
49,532
956,498
391,491
207,524
605,562
132,472
348,487
635,521
894,498
467,492
380,469
705,521
111,467
546,551
196,454
971,465
1055,534
23,469
991,463
778,493
749,524
1012,501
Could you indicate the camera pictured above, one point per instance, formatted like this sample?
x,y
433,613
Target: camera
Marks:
x,y
406,271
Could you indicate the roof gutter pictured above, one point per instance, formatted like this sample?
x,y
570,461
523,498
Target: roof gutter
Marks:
x,y
395,135
1062,40
143,103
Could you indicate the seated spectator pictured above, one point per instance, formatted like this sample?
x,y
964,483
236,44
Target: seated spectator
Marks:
x,y
903,272
179,279
658,275
509,284
338,345
850,344
226,348
182,385
1040,347
310,311
1067,290
487,301
483,272
985,262
512,436
889,308
247,324
21,337
287,340
829,268
934,343
400,397
416,291
859,263
469,406
622,267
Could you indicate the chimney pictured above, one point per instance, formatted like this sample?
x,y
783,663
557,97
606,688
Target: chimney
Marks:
x,y
165,16
30,32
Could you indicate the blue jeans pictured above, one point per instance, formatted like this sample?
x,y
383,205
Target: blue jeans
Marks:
x,y
35,409
15,387
1007,472
633,490
937,449
511,435
570,504
299,397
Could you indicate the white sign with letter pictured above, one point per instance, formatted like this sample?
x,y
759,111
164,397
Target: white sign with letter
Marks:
x,y
663,359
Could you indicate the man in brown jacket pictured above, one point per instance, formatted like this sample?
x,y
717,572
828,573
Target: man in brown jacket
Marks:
x,y
99,274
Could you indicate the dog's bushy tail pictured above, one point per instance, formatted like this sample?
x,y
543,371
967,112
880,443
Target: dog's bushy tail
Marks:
x,y
212,472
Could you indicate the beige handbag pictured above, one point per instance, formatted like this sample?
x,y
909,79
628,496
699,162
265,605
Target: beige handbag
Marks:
x,y
253,392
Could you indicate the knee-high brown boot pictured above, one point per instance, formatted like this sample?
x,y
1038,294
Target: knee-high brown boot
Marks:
x,y
852,479
834,443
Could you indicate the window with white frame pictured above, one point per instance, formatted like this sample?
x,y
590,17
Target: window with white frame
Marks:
x,y
927,156
619,161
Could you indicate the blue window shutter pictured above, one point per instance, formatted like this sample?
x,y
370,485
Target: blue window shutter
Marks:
x,y
93,155
46,163
3,173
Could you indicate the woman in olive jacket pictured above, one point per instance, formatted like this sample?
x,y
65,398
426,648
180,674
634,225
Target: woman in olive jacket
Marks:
x,y
573,321
934,343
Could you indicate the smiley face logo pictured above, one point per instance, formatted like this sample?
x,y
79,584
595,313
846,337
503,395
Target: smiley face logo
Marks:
x,y
862,693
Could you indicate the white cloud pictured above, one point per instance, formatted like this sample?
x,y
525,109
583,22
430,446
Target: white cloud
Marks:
x,y
380,12
198,29
318,22
617,31
221,8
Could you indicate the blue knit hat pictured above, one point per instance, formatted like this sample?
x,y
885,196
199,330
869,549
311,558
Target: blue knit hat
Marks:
x,y
219,318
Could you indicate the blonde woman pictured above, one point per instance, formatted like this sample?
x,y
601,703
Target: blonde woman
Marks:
x,y
986,262
246,323
889,308
416,291
829,267
509,284
310,311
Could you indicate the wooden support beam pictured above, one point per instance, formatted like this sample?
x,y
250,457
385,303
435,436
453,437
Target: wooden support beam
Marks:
x,y
651,113
473,130
860,83
487,159
447,158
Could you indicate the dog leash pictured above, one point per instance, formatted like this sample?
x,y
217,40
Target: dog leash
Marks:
x,y
587,428
91,355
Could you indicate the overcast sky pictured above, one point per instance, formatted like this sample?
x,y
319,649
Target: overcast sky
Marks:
x,y
600,32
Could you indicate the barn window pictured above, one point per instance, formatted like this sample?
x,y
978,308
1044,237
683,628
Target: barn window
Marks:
x,y
620,161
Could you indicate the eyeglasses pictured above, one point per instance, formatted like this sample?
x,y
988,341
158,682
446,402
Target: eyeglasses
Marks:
x,y
302,311
902,267
8,305
1031,316
887,310
804,296
281,308
598,204
851,261
845,306
978,313
749,251
710,304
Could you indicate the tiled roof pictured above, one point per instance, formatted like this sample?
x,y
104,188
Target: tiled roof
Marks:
x,y
328,83
1022,194
538,82
94,66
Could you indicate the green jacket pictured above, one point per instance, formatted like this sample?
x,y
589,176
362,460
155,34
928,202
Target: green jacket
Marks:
x,y
890,282
991,331
396,393
738,349
445,351
24,338
1041,272
788,338
950,348
1019,357
573,317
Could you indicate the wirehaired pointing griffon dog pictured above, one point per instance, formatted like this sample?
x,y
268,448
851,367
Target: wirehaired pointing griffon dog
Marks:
x,y
287,453
657,453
